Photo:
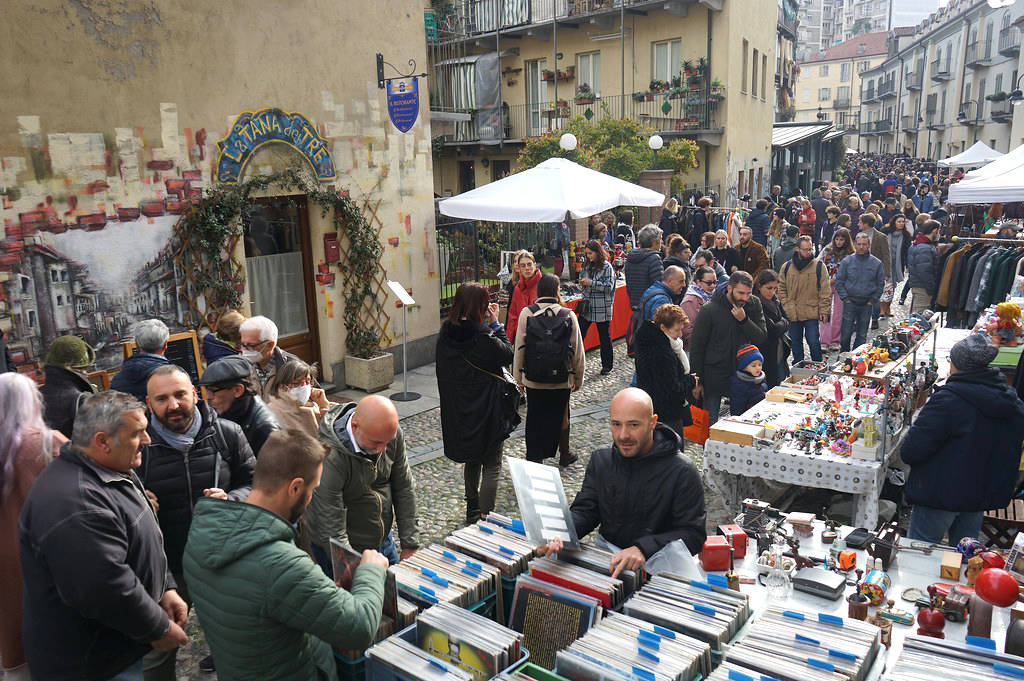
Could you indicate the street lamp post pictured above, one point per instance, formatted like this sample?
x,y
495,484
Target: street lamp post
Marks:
x,y
1016,96
963,119
655,142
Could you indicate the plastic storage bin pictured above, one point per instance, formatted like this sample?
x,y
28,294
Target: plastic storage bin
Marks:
x,y
375,671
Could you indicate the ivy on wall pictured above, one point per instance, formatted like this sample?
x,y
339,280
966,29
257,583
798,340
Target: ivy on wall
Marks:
x,y
215,279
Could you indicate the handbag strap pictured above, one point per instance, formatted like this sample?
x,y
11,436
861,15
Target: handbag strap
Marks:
x,y
489,373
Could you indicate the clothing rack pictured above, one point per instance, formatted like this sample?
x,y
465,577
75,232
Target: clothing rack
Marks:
x,y
986,240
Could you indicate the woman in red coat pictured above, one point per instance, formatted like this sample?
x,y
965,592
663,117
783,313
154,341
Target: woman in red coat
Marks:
x,y
525,291
807,218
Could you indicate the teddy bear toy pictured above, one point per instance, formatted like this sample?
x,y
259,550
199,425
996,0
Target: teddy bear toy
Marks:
x,y
1005,328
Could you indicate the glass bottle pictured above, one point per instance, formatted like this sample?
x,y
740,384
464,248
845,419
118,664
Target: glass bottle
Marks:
x,y
778,583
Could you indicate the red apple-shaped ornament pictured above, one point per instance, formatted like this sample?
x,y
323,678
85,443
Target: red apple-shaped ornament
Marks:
x,y
991,559
930,622
996,586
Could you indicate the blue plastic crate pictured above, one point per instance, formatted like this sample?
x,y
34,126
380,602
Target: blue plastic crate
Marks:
x,y
508,592
375,671
485,607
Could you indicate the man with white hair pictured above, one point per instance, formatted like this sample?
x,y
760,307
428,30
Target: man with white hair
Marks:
x,y
151,344
259,346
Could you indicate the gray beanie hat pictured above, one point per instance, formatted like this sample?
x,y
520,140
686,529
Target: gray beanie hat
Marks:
x,y
974,352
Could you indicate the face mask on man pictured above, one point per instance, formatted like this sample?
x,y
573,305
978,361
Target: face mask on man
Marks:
x,y
252,356
302,393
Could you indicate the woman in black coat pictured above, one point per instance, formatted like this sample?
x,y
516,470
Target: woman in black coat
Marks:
x,y
663,368
472,351
776,346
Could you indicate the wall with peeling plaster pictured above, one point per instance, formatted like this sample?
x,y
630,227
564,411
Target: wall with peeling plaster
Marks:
x,y
104,102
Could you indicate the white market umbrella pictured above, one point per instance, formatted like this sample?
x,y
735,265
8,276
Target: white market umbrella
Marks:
x,y
977,155
1001,180
851,151
546,192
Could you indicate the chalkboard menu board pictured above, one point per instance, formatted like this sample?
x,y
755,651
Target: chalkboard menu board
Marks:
x,y
182,349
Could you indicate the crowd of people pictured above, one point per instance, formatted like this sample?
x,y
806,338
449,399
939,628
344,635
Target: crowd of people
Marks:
x,y
123,509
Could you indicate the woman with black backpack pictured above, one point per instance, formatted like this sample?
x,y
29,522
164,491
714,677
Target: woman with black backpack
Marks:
x,y
472,352
549,362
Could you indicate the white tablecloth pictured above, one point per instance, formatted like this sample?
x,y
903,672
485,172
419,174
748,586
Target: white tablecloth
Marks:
x,y
725,463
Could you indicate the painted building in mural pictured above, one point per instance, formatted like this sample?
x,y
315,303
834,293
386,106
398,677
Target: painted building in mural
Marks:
x,y
104,142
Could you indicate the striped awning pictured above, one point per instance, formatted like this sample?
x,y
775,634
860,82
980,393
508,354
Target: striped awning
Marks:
x,y
786,135
833,135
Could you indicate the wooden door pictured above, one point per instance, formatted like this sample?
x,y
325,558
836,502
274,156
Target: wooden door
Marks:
x,y
280,269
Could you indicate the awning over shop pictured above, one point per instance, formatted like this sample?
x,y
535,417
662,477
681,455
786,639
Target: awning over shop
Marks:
x,y
786,135
472,58
835,134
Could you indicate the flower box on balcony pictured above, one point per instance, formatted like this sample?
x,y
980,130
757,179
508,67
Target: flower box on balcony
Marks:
x,y
584,100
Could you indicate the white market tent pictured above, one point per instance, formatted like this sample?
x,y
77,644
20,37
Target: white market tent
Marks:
x,y
977,155
851,151
1001,180
546,192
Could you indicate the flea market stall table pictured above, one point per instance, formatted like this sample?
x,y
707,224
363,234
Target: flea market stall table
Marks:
x,y
621,313
910,569
731,467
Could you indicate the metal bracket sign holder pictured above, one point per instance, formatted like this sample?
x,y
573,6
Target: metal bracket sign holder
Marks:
x,y
406,300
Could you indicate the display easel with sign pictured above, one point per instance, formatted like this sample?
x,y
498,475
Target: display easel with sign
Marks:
x,y
182,350
406,300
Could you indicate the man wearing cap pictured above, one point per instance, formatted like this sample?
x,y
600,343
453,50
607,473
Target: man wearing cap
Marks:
x,y
233,391
964,447
66,385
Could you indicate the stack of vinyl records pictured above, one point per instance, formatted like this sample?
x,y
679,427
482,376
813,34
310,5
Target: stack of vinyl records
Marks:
x,y
550,617
802,646
402,656
474,643
506,550
439,575
625,648
708,613
610,591
929,658
599,561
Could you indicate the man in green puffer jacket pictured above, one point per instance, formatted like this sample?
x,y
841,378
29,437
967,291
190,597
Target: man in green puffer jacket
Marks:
x,y
267,610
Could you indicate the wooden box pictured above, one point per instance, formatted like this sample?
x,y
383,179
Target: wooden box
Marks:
x,y
950,567
736,432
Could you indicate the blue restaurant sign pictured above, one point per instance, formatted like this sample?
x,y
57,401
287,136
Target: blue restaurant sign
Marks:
x,y
254,129
403,102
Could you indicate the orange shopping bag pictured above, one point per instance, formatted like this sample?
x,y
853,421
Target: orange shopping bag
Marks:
x,y
698,432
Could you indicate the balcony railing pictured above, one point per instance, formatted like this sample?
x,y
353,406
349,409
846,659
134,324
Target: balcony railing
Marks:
x,y
841,103
979,53
940,70
908,123
887,89
914,80
458,19
883,126
868,96
1009,41
789,26
1002,112
523,121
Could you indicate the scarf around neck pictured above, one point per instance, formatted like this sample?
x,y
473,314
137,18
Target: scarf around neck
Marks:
x,y
704,295
180,441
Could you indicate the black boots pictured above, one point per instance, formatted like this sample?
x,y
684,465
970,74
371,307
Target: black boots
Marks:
x,y
472,511
565,457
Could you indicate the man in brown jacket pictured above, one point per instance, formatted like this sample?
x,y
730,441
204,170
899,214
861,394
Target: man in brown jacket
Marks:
x,y
806,297
753,256
879,249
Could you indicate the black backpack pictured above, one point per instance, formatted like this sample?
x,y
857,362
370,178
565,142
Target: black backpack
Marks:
x,y
546,346
635,320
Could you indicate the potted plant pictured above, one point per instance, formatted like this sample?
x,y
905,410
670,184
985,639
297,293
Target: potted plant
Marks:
x,y
996,96
659,86
687,66
584,95
694,81
677,92
570,72
717,86
639,96
677,81
547,74
702,67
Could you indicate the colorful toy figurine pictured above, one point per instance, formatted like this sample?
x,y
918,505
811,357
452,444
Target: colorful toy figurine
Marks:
x,y
1005,328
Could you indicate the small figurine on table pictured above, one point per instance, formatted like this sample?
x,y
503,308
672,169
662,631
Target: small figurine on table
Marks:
x,y
975,565
931,622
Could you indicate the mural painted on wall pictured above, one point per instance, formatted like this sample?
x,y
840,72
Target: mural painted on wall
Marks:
x,y
87,238
121,272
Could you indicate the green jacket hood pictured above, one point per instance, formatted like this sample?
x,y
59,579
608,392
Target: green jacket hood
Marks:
x,y
225,531
328,435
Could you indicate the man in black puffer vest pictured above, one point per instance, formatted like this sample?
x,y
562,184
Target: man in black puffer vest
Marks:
x,y
193,454
642,492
